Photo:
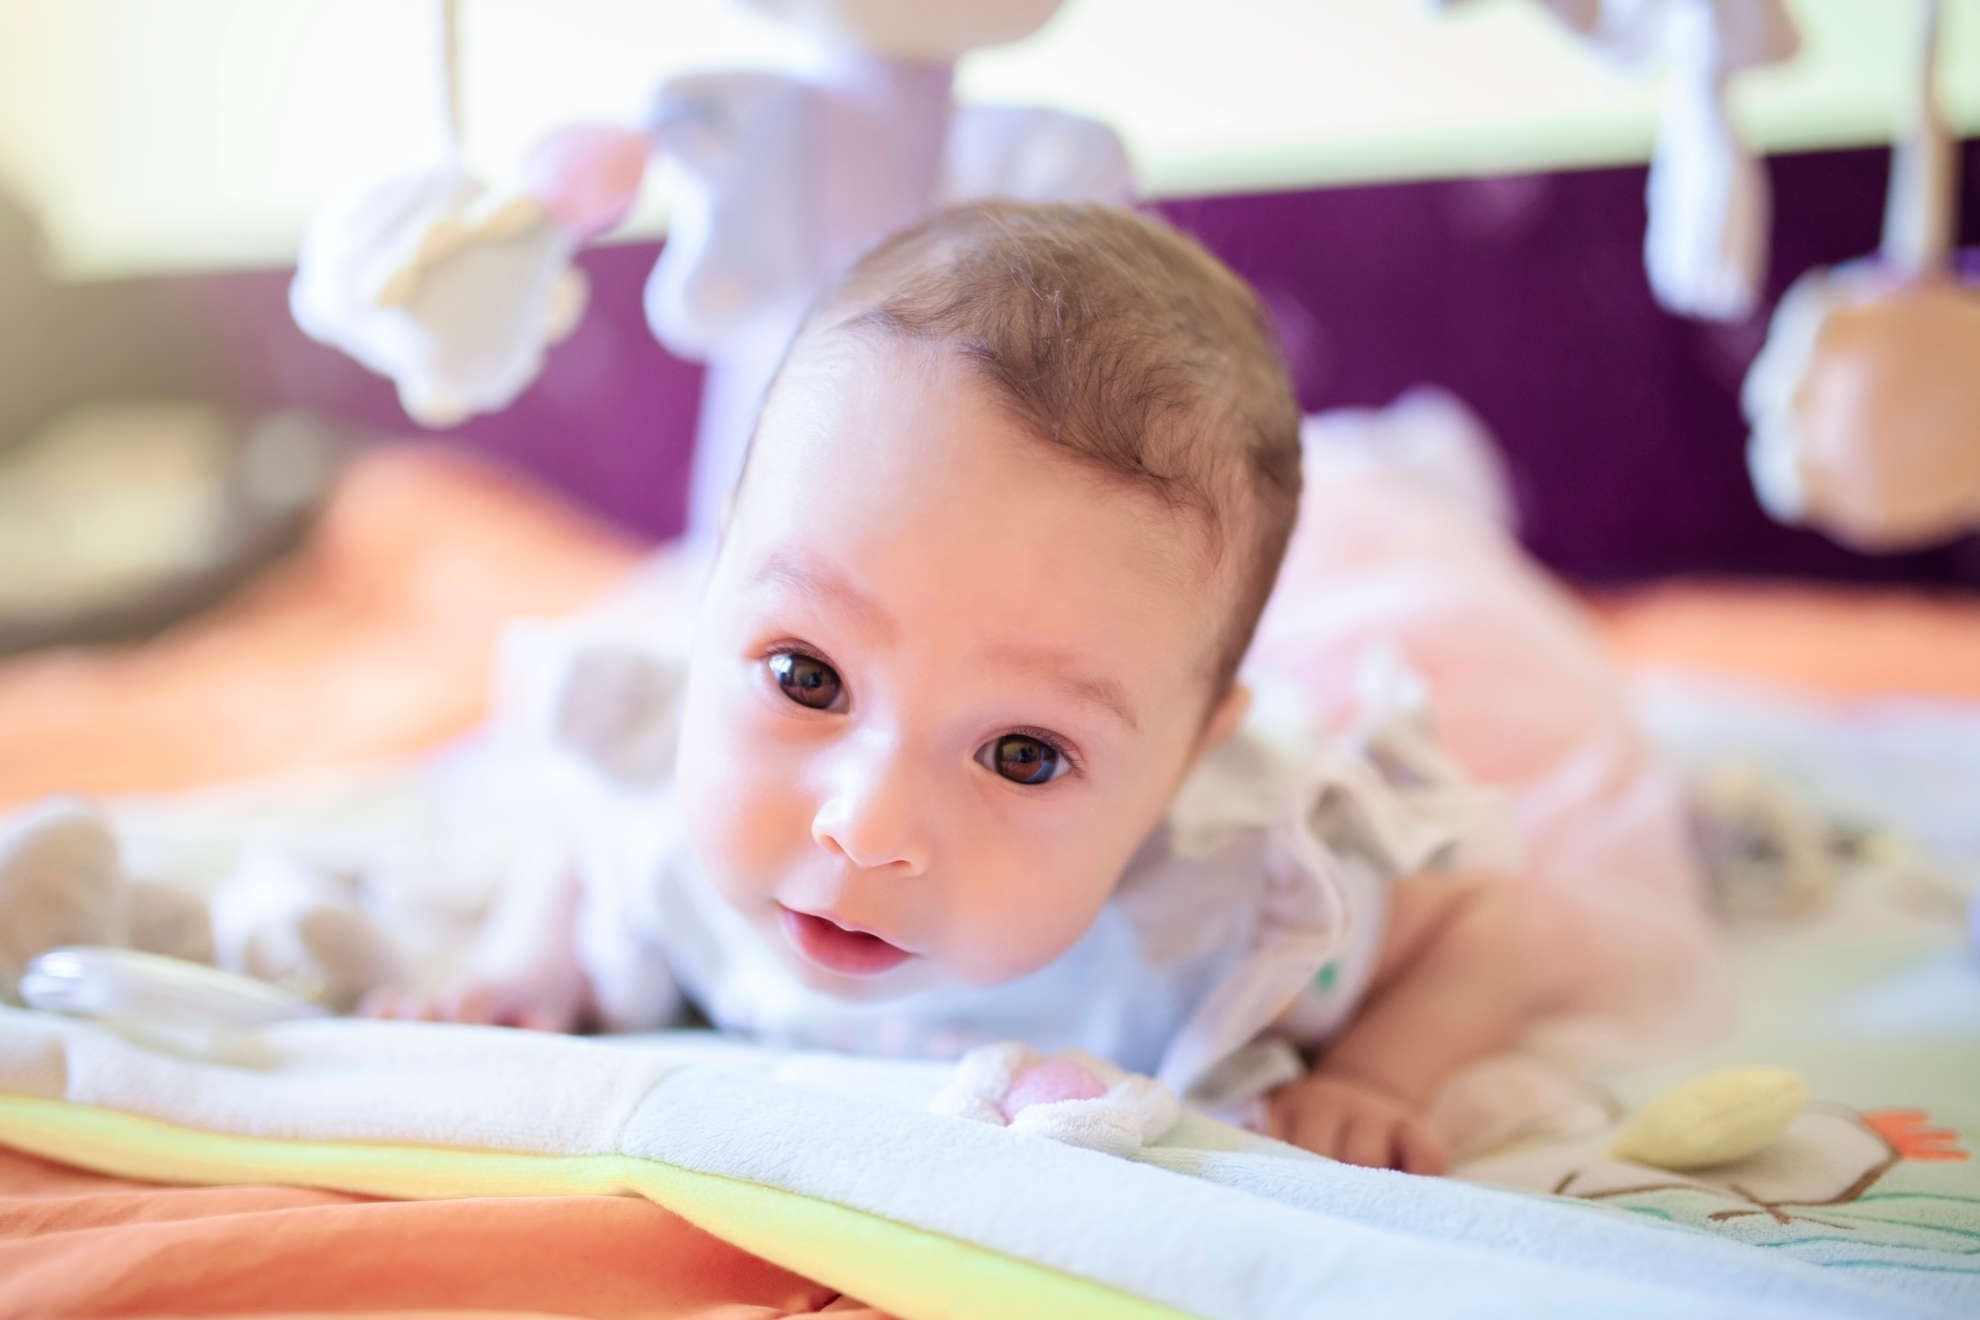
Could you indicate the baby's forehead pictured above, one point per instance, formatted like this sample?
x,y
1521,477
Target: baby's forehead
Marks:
x,y
1164,473
827,366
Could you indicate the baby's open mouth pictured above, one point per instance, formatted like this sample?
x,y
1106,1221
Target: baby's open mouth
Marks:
x,y
837,949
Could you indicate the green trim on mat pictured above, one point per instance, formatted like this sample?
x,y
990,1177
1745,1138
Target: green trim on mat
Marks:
x,y
897,1267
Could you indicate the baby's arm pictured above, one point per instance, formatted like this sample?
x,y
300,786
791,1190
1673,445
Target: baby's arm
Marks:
x,y
1465,965
524,971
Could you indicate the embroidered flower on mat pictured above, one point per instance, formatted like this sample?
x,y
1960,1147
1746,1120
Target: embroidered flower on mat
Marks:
x,y
1911,1135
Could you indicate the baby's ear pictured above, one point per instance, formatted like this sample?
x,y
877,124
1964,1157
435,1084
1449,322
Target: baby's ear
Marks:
x,y
1224,718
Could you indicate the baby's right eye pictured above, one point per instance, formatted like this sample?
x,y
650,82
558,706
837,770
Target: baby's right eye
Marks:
x,y
807,680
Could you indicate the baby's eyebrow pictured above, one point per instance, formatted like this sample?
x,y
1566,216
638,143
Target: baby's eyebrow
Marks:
x,y
1063,670
807,576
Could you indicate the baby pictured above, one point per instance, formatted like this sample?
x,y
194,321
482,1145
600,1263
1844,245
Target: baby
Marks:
x,y
957,749
959,752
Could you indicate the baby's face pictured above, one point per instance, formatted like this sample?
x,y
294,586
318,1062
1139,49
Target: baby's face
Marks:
x,y
944,684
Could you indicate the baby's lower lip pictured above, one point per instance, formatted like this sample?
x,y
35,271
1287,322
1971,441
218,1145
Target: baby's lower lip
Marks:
x,y
836,949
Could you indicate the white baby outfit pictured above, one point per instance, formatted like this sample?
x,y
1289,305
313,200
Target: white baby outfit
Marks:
x,y
1250,921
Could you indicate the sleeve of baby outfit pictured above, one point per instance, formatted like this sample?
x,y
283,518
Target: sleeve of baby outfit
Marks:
x,y
1338,819
1381,804
606,701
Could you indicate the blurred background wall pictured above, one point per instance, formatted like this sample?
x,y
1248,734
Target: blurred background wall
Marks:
x,y
1451,199
159,135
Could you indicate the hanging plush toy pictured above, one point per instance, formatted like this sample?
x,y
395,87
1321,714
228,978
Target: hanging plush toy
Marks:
x,y
448,287
1705,246
1865,402
782,179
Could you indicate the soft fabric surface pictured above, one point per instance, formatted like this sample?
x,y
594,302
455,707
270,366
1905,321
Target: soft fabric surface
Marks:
x,y
83,1244
831,1167
1877,1007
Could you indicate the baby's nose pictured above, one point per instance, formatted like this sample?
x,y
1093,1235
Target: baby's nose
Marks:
x,y
872,819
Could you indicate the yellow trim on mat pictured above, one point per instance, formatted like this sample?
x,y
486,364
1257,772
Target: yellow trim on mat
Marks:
x,y
899,1268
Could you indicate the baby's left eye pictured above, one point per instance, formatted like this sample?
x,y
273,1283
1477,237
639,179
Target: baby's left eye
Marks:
x,y
1023,759
807,680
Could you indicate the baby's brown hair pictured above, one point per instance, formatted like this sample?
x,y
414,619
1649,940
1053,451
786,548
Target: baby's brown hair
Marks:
x,y
1118,340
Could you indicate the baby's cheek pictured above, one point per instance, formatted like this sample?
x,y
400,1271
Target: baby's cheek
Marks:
x,y
1037,884
1029,912
743,821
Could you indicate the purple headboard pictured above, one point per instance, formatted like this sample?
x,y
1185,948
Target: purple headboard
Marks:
x,y
1523,295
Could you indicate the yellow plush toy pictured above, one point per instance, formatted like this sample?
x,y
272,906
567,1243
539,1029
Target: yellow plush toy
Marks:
x,y
1715,1119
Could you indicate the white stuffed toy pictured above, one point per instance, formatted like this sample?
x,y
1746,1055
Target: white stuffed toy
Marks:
x,y
450,288
452,291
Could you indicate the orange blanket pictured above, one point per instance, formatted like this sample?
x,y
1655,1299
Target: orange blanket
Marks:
x,y
1828,641
78,1244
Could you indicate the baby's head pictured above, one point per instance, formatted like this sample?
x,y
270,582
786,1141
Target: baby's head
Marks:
x,y
1013,507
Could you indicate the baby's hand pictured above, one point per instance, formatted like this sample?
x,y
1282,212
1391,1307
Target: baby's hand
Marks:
x,y
525,1002
1351,1121
524,971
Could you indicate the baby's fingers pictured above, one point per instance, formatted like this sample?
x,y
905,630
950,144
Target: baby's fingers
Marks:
x,y
389,1002
1370,1138
1417,1151
1305,1119
471,1002
447,1005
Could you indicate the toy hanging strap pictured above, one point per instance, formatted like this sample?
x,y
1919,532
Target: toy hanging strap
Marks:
x,y
444,21
1918,213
